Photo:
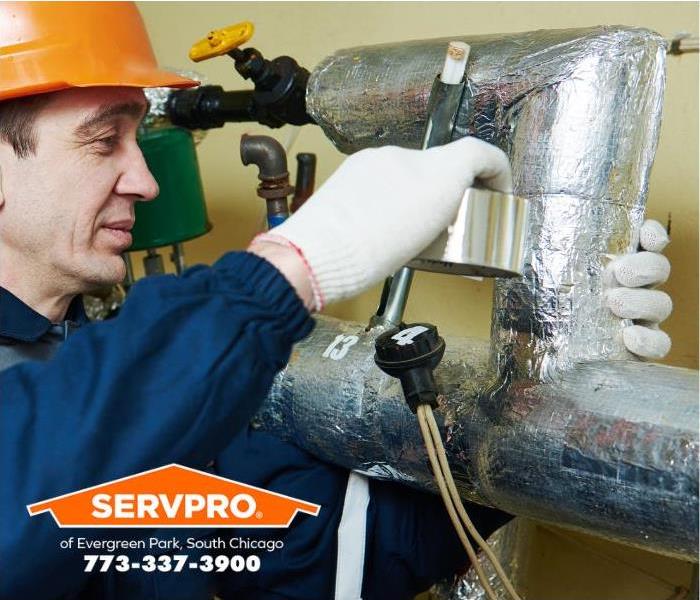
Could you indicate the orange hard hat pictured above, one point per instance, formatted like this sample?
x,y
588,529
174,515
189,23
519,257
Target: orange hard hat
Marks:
x,y
49,46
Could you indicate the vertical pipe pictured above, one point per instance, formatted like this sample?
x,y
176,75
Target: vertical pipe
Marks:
x,y
269,156
153,263
178,258
394,299
305,181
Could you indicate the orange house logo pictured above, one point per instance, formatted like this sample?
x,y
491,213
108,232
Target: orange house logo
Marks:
x,y
173,496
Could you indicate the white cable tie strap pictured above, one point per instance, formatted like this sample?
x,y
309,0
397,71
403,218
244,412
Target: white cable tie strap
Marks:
x,y
351,539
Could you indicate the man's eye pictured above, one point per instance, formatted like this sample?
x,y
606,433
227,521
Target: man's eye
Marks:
x,y
107,143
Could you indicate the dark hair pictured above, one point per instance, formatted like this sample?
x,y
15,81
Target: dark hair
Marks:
x,y
17,118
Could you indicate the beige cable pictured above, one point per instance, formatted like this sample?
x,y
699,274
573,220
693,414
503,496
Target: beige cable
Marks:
x,y
423,409
442,457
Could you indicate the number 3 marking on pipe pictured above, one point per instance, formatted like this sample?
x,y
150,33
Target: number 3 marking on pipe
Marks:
x,y
405,336
334,352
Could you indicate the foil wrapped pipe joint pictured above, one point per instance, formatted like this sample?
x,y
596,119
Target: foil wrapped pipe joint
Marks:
x,y
157,115
552,418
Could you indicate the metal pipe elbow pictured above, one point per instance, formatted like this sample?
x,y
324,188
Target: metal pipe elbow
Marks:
x,y
267,154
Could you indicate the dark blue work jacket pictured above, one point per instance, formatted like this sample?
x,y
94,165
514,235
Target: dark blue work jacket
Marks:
x,y
175,378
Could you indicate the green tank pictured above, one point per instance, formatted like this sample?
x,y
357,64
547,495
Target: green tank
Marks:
x,y
178,213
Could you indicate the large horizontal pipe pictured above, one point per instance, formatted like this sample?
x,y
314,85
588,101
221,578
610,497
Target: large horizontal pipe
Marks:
x,y
608,447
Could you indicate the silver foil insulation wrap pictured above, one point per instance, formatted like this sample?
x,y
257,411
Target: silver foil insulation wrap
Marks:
x,y
545,421
157,115
509,544
609,447
578,113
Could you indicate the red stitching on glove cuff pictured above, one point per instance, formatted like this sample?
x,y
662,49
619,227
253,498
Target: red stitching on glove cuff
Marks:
x,y
319,300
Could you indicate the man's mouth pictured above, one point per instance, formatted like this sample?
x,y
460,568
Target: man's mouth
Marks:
x,y
120,233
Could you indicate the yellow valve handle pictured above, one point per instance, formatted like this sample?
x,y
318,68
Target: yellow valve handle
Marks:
x,y
222,41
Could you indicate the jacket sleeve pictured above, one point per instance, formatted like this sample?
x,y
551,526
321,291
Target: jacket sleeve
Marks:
x,y
171,379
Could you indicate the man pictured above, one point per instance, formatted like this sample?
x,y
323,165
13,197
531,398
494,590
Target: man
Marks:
x,y
189,359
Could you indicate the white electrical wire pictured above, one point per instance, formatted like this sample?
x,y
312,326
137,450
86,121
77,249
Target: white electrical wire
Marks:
x,y
483,544
453,503
434,462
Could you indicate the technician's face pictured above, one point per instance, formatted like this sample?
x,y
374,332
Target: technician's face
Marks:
x,y
70,207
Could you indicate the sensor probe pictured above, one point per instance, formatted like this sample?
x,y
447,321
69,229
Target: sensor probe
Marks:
x,y
411,353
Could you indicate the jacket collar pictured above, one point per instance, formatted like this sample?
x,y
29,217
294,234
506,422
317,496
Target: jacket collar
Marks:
x,y
20,322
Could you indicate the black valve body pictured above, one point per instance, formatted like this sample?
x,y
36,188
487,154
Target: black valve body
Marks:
x,y
280,87
279,97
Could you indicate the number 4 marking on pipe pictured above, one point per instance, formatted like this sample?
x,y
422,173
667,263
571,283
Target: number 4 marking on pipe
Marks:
x,y
334,352
405,336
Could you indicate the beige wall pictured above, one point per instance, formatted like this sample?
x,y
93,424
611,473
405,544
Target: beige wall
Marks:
x,y
311,31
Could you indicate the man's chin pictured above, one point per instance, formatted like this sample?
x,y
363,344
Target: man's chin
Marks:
x,y
112,273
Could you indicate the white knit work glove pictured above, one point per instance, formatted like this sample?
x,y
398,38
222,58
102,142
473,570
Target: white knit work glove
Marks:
x,y
628,296
381,208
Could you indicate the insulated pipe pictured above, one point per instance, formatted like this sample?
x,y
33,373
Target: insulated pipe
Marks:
x,y
608,447
578,112
553,419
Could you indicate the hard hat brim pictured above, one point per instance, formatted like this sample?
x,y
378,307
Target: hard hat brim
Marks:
x,y
152,78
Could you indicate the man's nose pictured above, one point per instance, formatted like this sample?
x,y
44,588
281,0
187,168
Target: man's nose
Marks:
x,y
136,179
